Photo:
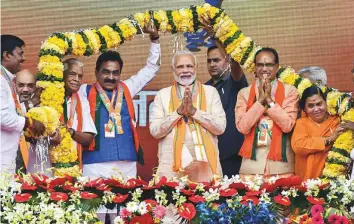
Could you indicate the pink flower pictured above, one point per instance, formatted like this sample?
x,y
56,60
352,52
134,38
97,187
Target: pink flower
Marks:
x,y
125,213
317,219
333,218
159,211
316,210
342,220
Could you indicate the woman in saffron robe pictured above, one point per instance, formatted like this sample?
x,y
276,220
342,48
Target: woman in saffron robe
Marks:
x,y
314,134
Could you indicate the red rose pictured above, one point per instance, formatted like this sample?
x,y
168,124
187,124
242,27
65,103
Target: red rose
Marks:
x,y
315,201
144,219
187,192
288,182
228,192
196,198
282,200
187,211
246,199
59,196
22,197
28,187
119,198
88,195
237,186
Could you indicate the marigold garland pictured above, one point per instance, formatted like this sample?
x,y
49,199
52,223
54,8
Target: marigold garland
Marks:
x,y
240,47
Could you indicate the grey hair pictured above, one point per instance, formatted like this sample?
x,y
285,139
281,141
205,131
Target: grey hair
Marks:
x,y
72,61
315,73
183,53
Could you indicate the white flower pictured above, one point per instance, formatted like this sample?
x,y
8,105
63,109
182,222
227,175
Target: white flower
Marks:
x,y
211,195
118,220
160,197
142,208
137,194
132,206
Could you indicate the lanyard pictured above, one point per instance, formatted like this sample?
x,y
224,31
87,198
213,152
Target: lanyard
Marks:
x,y
114,112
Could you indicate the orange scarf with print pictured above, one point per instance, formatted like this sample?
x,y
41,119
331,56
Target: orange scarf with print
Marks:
x,y
277,151
94,98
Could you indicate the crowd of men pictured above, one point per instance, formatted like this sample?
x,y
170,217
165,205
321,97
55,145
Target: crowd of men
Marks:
x,y
222,127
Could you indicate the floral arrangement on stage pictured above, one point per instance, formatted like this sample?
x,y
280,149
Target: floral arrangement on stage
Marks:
x,y
67,199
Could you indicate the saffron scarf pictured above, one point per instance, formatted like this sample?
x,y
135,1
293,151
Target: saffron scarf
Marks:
x,y
277,151
180,130
95,102
64,118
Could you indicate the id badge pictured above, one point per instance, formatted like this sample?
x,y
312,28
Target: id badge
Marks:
x,y
263,134
109,130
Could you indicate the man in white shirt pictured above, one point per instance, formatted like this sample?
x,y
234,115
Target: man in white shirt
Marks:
x,y
12,120
76,107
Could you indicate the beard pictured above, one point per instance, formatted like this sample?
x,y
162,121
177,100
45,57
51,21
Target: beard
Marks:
x,y
184,81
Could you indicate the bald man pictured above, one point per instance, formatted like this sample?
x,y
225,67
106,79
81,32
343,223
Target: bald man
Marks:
x,y
25,83
26,89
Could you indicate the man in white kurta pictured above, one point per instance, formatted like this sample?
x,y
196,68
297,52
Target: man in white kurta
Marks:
x,y
73,74
163,122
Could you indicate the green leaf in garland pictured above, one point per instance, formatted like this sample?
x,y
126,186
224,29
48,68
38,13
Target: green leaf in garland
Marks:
x,y
65,165
43,77
89,50
232,38
103,47
195,18
116,28
247,53
51,52
170,21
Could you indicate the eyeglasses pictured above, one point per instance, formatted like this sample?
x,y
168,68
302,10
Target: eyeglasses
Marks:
x,y
267,65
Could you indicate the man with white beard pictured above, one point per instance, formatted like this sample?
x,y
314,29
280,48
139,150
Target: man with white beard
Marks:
x,y
186,118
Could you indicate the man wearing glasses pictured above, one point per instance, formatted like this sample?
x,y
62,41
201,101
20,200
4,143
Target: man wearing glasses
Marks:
x,y
265,113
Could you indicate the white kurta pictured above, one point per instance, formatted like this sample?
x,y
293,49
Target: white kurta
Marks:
x,y
11,127
162,125
34,165
135,84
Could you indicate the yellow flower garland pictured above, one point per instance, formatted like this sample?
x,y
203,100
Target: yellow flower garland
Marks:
x,y
107,37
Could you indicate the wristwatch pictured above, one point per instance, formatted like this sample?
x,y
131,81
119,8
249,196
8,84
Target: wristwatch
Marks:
x,y
271,104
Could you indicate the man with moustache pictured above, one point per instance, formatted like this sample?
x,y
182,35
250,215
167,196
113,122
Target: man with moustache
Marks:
x,y
186,118
116,146
12,118
265,113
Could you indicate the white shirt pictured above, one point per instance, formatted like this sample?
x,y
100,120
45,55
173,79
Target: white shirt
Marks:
x,y
135,83
11,126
